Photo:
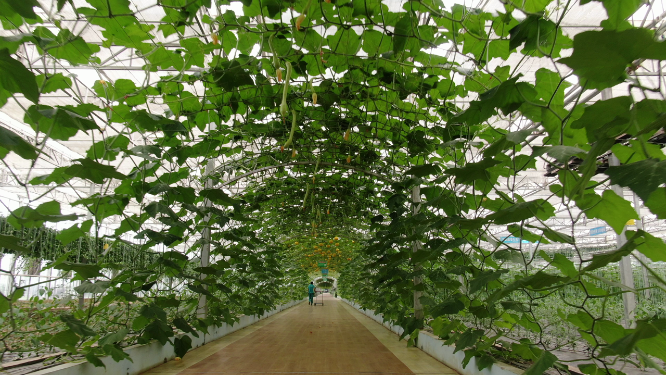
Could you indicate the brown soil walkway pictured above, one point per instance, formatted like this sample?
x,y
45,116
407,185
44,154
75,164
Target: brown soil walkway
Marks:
x,y
329,339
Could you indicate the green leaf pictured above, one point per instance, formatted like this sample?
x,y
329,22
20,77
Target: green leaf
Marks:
x,y
94,288
33,218
66,46
109,148
554,235
473,171
531,6
451,306
424,170
507,97
58,123
651,246
159,331
610,208
601,57
375,43
643,177
218,196
73,233
484,278
543,363
116,352
541,36
565,265
605,118
618,12
77,326
522,211
550,87
22,8
114,337
16,77
53,83
603,259
344,41
182,325
12,243
64,339
231,74
657,203
94,359
181,345
403,30
93,171
468,338
83,271
10,141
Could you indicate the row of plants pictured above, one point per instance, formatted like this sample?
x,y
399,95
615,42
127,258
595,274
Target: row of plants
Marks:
x,y
134,296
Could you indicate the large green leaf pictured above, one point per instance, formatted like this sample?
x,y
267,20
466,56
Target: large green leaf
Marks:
x,y
77,326
93,171
231,74
601,57
114,337
181,345
15,77
66,340
218,196
12,243
10,141
58,123
643,177
543,363
521,211
74,232
610,208
35,217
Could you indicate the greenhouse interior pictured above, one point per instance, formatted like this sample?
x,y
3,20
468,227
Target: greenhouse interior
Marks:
x,y
332,186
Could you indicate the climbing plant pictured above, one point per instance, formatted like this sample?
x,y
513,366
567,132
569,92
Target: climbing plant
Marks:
x,y
409,129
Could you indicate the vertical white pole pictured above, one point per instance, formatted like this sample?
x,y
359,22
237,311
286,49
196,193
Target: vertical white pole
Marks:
x,y
626,273
82,296
416,202
639,225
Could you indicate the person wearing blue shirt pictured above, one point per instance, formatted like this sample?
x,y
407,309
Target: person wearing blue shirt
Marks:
x,y
311,292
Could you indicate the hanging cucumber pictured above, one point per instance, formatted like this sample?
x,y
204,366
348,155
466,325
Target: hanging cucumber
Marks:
x,y
307,191
291,133
283,106
301,18
276,60
316,168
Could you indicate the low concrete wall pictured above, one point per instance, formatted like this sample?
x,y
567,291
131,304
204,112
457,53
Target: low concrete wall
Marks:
x,y
432,345
153,354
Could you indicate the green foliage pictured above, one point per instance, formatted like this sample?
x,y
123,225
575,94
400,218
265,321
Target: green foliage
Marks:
x,y
190,159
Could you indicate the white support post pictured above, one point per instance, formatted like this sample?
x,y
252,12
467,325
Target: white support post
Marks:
x,y
643,258
82,296
202,310
626,273
416,246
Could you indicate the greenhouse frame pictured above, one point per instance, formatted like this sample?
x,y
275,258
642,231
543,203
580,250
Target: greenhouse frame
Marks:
x,y
488,174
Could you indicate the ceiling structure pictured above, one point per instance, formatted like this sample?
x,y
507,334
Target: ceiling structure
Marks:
x,y
133,60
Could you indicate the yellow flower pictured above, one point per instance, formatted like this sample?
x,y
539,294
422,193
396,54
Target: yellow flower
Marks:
x,y
106,246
